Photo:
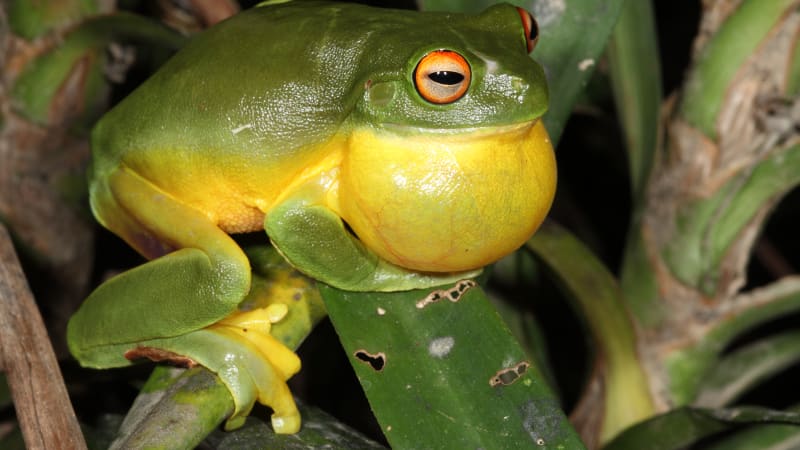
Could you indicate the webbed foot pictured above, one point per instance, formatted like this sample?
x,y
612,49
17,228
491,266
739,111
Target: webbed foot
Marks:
x,y
252,329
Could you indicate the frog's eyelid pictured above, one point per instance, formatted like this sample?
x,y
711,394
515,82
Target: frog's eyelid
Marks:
x,y
442,76
530,28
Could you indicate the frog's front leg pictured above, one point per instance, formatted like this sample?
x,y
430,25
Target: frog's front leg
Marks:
x,y
315,240
170,305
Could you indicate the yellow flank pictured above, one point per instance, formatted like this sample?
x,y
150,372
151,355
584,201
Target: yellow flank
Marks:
x,y
235,191
445,202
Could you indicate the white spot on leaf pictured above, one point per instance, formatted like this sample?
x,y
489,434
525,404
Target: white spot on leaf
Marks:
x,y
440,347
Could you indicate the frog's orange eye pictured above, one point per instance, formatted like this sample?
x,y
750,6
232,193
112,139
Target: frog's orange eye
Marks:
x,y
442,76
530,27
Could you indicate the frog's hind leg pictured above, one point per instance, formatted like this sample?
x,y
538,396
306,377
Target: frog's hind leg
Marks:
x,y
185,290
171,301
118,220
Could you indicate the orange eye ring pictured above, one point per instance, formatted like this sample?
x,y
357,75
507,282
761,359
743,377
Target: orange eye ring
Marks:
x,y
442,76
530,27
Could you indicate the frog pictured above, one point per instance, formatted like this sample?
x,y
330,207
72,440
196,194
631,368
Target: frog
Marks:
x,y
377,149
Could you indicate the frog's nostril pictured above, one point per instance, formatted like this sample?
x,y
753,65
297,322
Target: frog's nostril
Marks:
x,y
380,95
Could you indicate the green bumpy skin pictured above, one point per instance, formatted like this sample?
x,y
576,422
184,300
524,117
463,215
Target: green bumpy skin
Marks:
x,y
379,149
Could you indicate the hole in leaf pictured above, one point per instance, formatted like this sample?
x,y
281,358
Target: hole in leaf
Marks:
x,y
377,361
453,294
509,375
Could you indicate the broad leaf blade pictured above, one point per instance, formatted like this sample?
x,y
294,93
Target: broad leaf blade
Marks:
x,y
442,375
636,81
597,298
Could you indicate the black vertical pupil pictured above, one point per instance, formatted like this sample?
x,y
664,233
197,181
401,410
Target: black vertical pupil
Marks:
x,y
446,77
534,33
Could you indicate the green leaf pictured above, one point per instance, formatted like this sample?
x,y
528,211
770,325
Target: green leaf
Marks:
x,y
597,298
573,36
736,373
30,19
513,277
684,426
636,81
761,437
441,370
527,330
635,74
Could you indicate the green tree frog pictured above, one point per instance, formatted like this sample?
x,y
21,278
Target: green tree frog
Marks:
x,y
379,149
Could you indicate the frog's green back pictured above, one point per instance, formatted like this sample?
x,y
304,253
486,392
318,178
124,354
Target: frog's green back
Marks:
x,y
256,97
247,88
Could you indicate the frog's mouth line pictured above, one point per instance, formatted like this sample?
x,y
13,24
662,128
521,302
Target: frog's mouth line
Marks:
x,y
466,133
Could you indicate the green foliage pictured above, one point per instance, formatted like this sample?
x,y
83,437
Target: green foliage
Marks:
x,y
596,296
31,19
441,370
81,55
684,426
636,79
728,51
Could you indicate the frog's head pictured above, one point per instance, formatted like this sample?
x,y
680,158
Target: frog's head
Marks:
x,y
448,167
453,71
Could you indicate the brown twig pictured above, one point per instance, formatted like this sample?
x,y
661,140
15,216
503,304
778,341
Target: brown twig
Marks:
x,y
43,408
